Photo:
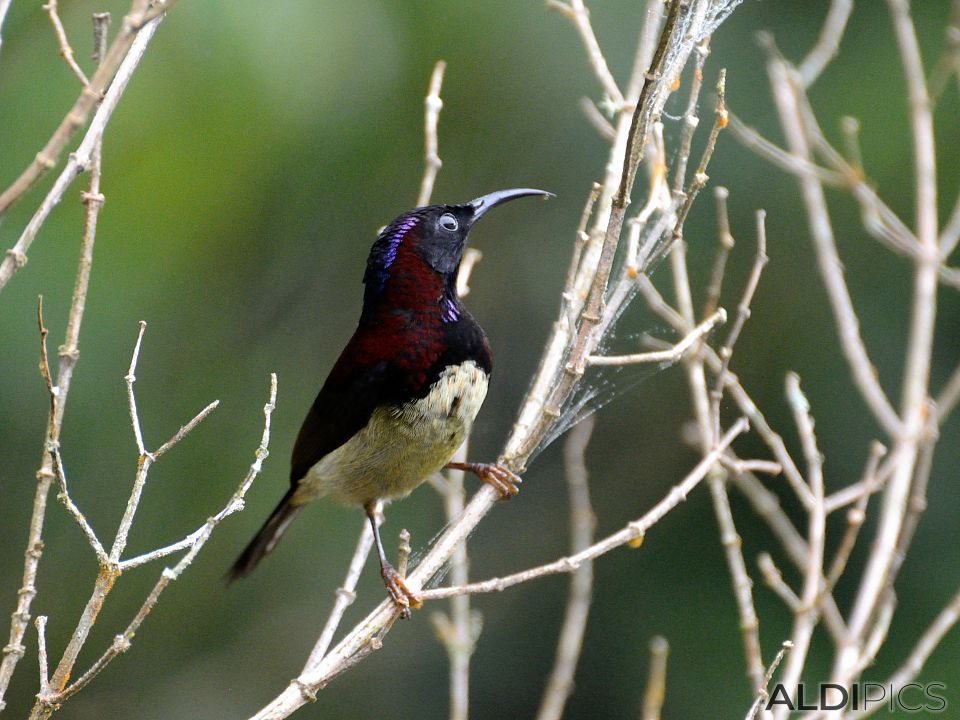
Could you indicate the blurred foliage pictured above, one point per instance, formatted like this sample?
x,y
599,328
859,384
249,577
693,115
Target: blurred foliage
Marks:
x,y
247,169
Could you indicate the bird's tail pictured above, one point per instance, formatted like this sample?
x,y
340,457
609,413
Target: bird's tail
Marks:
x,y
266,539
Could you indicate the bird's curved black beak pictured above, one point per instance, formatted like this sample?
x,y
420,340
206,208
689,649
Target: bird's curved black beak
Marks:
x,y
484,203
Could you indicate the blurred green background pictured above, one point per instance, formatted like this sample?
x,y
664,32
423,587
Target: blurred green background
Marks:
x,y
247,169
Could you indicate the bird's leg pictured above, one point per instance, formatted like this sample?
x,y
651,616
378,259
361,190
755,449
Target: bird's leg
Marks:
x,y
504,481
402,597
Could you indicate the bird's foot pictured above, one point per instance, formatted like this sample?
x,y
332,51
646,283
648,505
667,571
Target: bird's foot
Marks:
x,y
402,596
503,481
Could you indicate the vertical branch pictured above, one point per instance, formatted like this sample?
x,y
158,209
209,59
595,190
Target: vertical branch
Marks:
x,y
431,158
740,578
68,356
345,593
656,690
459,631
920,341
809,609
582,524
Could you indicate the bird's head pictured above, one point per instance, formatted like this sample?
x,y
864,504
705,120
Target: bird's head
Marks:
x,y
427,243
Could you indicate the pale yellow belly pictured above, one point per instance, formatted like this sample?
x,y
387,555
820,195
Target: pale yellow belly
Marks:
x,y
400,447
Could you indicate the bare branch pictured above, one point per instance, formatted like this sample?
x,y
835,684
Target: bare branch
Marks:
x,y
578,14
738,467
743,313
742,584
582,524
919,345
184,430
113,74
656,690
79,518
459,631
774,580
65,50
829,42
596,118
565,355
723,251
855,517
924,648
806,618
949,397
101,24
672,355
762,695
130,379
431,158
58,690
346,593
41,624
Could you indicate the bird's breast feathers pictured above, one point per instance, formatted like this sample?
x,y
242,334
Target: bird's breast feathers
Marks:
x,y
401,445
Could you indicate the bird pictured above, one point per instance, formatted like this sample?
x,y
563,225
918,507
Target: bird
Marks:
x,y
403,394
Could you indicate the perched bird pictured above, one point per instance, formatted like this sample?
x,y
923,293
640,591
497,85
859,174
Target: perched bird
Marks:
x,y
403,395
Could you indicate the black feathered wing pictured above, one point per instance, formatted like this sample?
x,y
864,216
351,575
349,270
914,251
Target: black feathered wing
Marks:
x,y
342,408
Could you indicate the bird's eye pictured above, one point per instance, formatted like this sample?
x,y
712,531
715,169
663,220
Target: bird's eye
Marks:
x,y
449,222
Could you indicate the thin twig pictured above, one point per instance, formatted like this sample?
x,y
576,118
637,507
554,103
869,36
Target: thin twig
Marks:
x,y
578,14
743,313
185,429
726,245
101,24
41,624
431,158
949,397
672,355
66,52
757,420
582,524
581,239
346,593
855,517
596,118
739,467
403,552
774,580
949,63
68,503
805,620
58,393
130,378
460,630
740,578
762,695
828,43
